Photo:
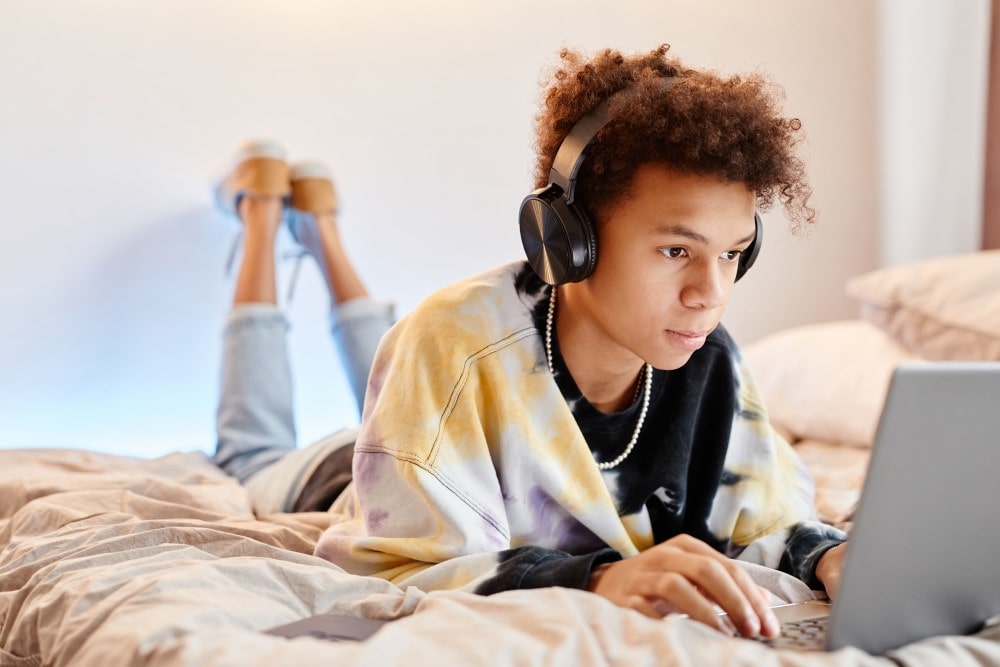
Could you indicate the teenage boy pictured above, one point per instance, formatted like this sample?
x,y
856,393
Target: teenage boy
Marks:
x,y
601,433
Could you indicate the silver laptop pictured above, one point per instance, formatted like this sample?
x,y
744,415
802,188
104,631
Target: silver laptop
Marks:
x,y
924,553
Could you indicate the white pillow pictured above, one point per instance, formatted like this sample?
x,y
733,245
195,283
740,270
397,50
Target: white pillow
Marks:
x,y
826,381
946,308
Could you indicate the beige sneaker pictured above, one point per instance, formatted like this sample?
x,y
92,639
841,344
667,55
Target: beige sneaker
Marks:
x,y
312,194
312,188
260,168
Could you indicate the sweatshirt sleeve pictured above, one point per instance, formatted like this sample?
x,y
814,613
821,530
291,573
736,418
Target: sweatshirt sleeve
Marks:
x,y
537,567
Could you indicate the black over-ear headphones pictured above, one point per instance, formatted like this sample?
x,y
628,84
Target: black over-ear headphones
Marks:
x,y
557,234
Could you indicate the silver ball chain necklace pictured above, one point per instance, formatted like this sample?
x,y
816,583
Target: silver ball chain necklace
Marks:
x,y
646,386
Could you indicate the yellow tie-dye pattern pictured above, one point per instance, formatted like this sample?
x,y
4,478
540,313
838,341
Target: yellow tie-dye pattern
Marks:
x,y
640,531
762,502
554,444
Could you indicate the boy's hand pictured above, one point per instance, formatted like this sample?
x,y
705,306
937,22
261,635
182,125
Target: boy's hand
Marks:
x,y
686,575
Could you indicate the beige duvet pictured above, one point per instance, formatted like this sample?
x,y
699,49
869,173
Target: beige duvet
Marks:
x,y
113,561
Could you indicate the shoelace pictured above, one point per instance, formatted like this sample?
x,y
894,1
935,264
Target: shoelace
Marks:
x,y
237,239
298,255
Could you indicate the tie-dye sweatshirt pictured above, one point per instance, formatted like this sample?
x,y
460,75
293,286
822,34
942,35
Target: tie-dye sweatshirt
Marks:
x,y
476,468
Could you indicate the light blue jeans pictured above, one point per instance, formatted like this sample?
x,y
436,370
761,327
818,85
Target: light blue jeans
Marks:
x,y
255,423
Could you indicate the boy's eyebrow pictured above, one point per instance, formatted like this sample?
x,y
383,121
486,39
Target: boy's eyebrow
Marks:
x,y
687,232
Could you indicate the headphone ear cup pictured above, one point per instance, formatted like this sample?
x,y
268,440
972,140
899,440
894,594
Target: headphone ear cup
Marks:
x,y
559,245
749,255
588,242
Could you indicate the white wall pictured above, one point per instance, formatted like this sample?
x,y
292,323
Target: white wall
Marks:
x,y
116,116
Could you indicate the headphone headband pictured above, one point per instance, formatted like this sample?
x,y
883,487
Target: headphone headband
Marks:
x,y
569,157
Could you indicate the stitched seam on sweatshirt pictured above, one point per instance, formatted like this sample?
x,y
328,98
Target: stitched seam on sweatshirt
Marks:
x,y
463,379
455,490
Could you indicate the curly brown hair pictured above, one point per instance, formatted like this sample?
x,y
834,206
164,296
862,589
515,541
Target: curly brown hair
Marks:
x,y
730,128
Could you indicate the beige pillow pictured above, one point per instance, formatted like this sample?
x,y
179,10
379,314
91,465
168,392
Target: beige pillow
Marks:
x,y
946,308
826,381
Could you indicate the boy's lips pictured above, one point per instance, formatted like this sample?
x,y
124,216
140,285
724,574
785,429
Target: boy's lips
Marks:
x,y
689,340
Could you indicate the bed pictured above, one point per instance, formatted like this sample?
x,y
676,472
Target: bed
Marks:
x,y
107,560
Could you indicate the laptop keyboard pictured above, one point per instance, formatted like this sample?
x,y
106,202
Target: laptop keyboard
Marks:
x,y
807,633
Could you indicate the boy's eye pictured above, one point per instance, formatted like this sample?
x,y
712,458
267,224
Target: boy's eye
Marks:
x,y
674,253
732,255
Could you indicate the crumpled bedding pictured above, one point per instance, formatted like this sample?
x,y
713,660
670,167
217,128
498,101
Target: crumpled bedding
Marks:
x,y
838,471
107,560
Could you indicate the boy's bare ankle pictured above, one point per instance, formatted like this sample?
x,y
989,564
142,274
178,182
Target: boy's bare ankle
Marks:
x,y
326,224
261,214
